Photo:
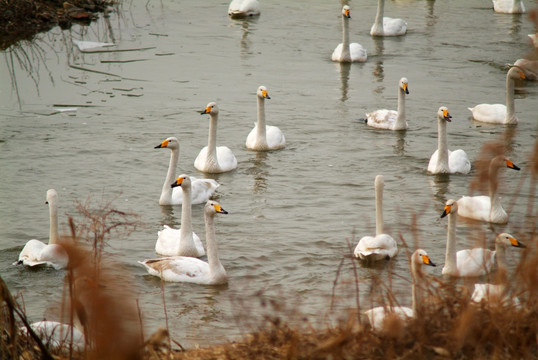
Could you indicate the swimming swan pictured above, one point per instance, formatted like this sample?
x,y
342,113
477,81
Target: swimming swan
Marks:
x,y
385,26
382,246
390,119
487,208
201,189
509,6
213,158
471,262
183,241
377,315
346,52
189,269
499,113
264,137
449,162
36,252
243,8
56,334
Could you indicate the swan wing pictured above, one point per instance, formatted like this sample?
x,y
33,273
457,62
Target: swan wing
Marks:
x,y
490,113
382,119
475,262
458,162
55,256
382,246
358,52
179,269
275,138
30,253
202,190
226,158
57,334
168,243
509,6
337,53
432,165
379,314
394,27
475,207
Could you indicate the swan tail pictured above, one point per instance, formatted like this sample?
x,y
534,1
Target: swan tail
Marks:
x,y
363,120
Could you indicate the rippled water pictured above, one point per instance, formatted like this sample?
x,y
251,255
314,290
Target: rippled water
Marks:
x,y
291,212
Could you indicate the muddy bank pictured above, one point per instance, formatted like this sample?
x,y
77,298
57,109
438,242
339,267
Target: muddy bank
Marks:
x,y
23,19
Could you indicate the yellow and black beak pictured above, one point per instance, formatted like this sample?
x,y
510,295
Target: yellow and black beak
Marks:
x,y
219,209
511,165
426,260
406,88
515,242
522,75
347,13
265,94
178,182
447,115
446,211
162,145
207,110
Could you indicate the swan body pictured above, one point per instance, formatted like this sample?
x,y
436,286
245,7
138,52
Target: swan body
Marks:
x,y
189,269
390,119
471,262
212,158
530,67
264,137
346,51
499,113
243,8
183,241
444,160
493,293
386,26
382,246
53,254
201,189
487,208
509,6
379,314
57,335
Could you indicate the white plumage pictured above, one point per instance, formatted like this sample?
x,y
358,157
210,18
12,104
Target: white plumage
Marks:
x,y
386,26
243,8
264,137
346,51
390,119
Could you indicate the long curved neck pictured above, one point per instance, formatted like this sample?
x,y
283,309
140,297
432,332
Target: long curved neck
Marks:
x,y
450,255
500,251
166,193
442,147
415,275
378,209
510,105
211,243
53,231
346,56
400,120
261,131
186,214
378,24
212,141
493,181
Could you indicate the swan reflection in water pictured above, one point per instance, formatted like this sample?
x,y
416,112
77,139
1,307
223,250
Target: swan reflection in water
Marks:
x,y
259,172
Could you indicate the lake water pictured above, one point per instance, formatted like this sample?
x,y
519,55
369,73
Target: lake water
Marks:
x,y
291,212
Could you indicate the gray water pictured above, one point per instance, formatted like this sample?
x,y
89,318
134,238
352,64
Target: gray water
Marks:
x,y
291,212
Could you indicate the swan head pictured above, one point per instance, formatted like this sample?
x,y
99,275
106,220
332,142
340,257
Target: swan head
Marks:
x,y
515,72
52,196
212,207
379,181
170,143
444,114
262,92
346,12
183,181
451,207
421,257
404,85
501,160
211,108
508,240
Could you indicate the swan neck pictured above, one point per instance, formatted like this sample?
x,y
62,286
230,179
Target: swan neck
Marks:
x,y
415,274
378,209
450,255
211,243
492,187
400,120
378,24
442,147
186,214
212,140
346,55
53,231
261,131
166,193
500,256
510,105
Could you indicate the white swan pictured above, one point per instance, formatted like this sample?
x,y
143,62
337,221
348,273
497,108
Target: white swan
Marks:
x,y
390,119
530,67
264,137
213,158
499,113
385,26
183,241
243,8
444,160
201,189
36,252
509,6
493,294
57,335
487,208
377,315
188,269
471,262
345,51
382,246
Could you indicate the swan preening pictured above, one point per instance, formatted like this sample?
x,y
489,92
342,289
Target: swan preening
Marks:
x,y
377,315
382,246
509,6
243,8
346,51
385,26
36,252
213,158
443,160
487,208
201,189
183,241
189,269
264,137
390,119
472,262
499,113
